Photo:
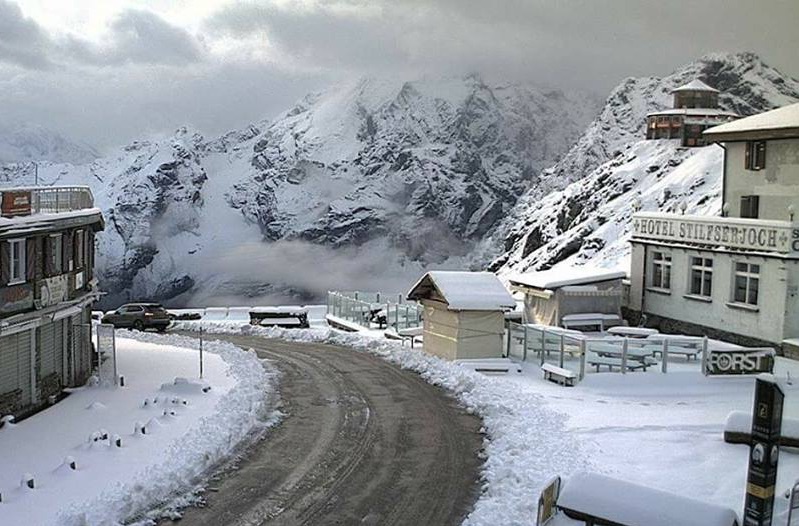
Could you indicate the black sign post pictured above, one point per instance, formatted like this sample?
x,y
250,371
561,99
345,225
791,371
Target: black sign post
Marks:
x,y
763,453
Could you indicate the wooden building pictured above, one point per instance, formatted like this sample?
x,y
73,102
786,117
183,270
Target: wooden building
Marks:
x,y
47,287
695,109
463,314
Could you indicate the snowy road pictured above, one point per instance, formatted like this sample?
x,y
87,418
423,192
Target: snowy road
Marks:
x,y
363,442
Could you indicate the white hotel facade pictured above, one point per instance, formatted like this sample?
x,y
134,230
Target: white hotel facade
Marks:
x,y
734,277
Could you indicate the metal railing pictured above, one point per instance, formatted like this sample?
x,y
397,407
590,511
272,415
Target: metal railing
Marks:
x,y
55,199
368,309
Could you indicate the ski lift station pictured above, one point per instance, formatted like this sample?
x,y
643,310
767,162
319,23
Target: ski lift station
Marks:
x,y
463,314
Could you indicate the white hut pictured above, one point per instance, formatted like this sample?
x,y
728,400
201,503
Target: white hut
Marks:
x,y
580,295
463,313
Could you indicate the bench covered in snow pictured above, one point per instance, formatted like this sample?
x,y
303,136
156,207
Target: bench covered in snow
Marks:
x,y
688,352
597,499
738,430
611,363
288,316
559,375
590,318
631,332
490,365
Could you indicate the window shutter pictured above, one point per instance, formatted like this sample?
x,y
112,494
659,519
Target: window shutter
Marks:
x,y
66,251
5,262
748,156
49,269
30,258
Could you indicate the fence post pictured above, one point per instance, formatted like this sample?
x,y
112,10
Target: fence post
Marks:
x,y
704,355
562,349
507,342
624,345
543,342
396,318
583,349
664,366
524,346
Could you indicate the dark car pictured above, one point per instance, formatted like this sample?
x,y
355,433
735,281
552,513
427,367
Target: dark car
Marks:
x,y
139,316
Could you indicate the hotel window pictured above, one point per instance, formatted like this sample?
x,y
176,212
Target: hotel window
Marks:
x,y
661,270
16,261
755,155
747,283
750,206
701,277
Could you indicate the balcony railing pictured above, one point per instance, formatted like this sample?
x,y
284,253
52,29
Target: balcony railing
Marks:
x,y
45,200
755,235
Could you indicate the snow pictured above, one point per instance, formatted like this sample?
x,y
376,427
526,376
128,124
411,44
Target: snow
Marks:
x,y
566,276
465,290
625,503
741,422
695,85
187,430
785,117
663,431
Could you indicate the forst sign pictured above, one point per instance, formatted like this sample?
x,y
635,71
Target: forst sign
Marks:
x,y
740,362
765,238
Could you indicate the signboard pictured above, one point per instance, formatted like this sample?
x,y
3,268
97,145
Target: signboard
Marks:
x,y
744,361
763,454
762,236
54,290
547,502
16,204
16,298
793,506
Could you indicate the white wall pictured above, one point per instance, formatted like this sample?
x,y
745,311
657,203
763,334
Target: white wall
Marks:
x,y
777,184
766,323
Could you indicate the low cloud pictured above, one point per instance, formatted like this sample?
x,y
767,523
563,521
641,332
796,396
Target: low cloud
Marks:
x,y
22,41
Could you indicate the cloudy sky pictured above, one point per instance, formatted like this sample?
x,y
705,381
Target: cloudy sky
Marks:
x,y
109,71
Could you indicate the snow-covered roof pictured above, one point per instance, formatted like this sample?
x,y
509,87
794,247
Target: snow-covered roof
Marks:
x,y
464,290
784,118
694,112
695,85
567,276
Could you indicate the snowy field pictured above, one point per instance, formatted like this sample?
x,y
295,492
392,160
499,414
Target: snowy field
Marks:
x,y
187,431
660,430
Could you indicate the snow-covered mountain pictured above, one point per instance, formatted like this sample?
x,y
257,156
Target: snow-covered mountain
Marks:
x,y
367,181
25,143
610,171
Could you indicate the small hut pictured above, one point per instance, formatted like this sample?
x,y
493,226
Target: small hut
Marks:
x,y
551,295
463,313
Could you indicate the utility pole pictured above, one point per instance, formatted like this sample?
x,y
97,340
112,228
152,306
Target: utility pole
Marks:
x,y
35,173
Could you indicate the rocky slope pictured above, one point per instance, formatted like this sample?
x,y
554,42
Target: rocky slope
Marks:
x,y
368,181
610,170
23,144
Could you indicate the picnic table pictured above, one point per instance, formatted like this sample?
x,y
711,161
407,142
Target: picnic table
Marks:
x,y
611,363
632,332
615,351
688,352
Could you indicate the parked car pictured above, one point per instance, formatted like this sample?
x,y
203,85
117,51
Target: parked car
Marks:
x,y
139,316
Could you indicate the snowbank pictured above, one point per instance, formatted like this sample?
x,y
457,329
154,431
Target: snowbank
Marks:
x,y
526,442
188,429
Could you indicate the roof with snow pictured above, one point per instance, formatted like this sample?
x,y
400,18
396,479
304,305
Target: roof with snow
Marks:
x,y
780,123
463,290
563,277
695,85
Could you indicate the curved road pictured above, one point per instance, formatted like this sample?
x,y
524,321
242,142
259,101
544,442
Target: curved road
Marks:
x,y
363,442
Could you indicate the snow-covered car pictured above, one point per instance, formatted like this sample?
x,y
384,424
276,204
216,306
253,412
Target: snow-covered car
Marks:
x,y
139,316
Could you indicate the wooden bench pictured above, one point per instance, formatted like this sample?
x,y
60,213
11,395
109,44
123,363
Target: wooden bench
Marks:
x,y
559,375
610,363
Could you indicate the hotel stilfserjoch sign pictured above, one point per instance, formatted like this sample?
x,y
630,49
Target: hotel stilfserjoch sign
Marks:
x,y
760,237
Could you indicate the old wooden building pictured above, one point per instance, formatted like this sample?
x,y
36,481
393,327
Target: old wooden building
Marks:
x,y
46,291
695,108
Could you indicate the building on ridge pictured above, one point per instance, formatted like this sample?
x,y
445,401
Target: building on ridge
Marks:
x,y
695,109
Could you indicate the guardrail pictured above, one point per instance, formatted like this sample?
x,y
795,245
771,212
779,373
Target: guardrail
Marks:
x,y
374,308
45,199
